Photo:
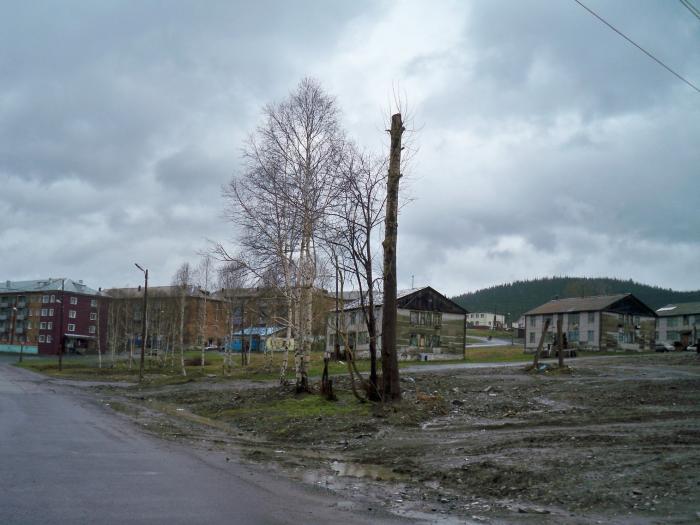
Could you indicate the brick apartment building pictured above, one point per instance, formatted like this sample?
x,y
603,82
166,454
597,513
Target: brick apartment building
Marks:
x,y
36,315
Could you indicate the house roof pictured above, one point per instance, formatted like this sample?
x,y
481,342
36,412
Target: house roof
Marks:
x,y
46,285
379,297
679,309
262,331
157,291
578,304
423,298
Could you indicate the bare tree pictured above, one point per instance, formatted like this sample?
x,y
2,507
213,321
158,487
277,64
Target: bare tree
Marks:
x,y
205,274
359,211
183,281
283,194
232,278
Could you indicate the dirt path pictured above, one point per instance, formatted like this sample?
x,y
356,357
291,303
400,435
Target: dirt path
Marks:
x,y
615,441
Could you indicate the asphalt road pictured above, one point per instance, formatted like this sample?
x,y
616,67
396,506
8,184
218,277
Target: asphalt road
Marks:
x,y
65,459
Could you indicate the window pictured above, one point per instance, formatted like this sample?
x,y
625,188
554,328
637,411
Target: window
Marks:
x,y
93,303
53,299
72,314
93,316
413,340
44,311
42,326
572,336
414,318
49,338
45,299
591,338
672,322
532,337
482,316
42,338
436,341
437,318
686,320
422,319
591,317
673,336
91,329
71,328
50,312
49,326
533,321
573,319
73,300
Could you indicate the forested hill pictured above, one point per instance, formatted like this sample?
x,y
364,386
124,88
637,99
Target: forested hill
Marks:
x,y
519,297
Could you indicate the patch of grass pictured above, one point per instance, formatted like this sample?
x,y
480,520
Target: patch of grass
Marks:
x,y
496,354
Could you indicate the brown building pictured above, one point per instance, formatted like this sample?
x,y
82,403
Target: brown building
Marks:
x,y
204,318
36,316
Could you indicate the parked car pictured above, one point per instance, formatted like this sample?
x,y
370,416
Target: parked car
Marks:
x,y
664,347
692,348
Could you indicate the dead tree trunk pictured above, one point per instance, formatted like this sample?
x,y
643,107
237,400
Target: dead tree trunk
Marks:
x,y
536,362
390,365
560,342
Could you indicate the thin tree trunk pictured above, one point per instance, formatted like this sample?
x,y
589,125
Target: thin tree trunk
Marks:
x,y
560,342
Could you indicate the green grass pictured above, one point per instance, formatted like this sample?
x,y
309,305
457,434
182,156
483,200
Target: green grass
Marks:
x,y
496,354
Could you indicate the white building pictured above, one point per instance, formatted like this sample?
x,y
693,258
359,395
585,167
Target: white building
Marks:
x,y
489,320
678,323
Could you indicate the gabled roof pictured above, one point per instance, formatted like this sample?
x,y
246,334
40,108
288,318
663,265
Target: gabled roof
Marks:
x,y
423,298
679,309
46,285
379,297
592,303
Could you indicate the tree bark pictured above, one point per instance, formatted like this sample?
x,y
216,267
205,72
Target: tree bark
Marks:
x,y
390,366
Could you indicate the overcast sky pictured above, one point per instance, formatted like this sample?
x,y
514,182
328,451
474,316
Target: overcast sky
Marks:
x,y
547,145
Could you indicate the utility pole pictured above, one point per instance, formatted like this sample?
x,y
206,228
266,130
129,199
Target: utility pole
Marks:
x,y
145,309
337,314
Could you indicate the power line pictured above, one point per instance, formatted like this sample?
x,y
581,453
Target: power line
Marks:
x,y
691,8
638,46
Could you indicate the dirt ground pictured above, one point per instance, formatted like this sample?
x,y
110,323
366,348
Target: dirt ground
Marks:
x,y
613,440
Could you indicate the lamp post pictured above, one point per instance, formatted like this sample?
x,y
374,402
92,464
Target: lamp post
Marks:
x,y
145,309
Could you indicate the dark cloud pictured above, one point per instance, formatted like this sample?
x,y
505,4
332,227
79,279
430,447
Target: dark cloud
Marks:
x,y
547,143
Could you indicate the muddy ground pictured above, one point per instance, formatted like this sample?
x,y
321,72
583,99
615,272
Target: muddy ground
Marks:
x,y
614,440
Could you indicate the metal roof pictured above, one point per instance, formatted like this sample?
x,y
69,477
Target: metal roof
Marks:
x,y
46,285
577,304
679,309
262,331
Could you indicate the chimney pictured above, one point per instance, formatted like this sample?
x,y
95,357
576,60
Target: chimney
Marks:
x,y
139,287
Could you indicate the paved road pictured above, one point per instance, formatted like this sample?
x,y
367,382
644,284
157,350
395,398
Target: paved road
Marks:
x,y
64,459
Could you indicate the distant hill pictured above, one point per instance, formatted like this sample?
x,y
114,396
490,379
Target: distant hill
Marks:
x,y
519,297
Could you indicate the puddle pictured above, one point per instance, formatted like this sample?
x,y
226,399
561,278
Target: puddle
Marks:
x,y
360,470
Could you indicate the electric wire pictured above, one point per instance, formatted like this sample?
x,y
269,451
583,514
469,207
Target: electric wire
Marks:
x,y
638,46
690,7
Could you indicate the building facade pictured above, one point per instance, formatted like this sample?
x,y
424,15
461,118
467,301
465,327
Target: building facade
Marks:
x,y
604,322
39,316
678,324
428,325
490,320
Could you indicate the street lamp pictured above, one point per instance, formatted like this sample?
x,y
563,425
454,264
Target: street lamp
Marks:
x,y
145,309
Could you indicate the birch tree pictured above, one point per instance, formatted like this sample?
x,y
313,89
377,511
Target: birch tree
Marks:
x,y
183,281
282,194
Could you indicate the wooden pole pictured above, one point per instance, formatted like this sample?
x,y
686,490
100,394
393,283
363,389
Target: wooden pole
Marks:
x,y
390,366
536,362
560,342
